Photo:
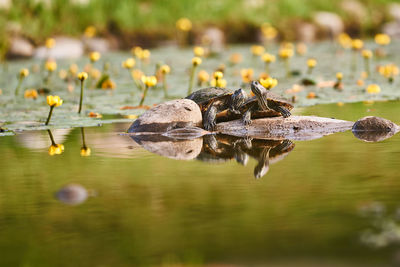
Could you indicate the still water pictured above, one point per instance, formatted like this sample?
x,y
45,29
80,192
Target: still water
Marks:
x,y
329,201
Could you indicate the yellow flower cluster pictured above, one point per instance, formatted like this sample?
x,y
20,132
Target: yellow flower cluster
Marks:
x,y
149,81
269,82
268,58
268,31
203,76
196,61
218,80
198,51
23,73
85,152
94,56
51,65
82,76
165,69
143,54
184,24
56,149
373,89
285,53
129,63
247,75
389,70
357,44
54,101
366,53
344,40
339,76
257,50
137,74
311,62
31,93
50,43
382,39
90,32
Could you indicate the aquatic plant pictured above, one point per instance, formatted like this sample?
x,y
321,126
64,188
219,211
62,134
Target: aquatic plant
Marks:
x,y
269,82
367,55
356,46
268,59
148,81
31,93
285,54
50,66
382,40
373,89
94,56
389,71
195,62
183,26
53,101
338,84
164,70
85,151
311,63
202,78
82,76
198,51
23,73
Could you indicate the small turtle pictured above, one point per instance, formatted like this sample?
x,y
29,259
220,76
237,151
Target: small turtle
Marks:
x,y
264,104
213,100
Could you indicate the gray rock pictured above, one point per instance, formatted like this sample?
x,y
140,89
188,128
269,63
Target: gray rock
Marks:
x,y
355,9
96,44
306,32
293,128
392,29
20,48
374,129
65,47
331,23
72,194
170,115
394,11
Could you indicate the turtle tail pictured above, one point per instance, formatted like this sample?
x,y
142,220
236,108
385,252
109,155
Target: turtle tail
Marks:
x,y
284,111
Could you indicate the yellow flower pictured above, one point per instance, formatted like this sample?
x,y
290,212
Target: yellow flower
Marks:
x,y
235,58
56,149
389,70
218,75
366,53
382,39
218,83
268,31
50,42
137,74
95,73
268,58
82,76
31,93
339,76
144,54
247,75
62,74
136,51
94,56
51,65
128,63
198,51
203,76
344,40
301,49
73,69
90,32
149,81
357,44
311,95
257,50
311,62
23,73
184,24
285,53
85,152
373,89
165,69
54,101
269,82
196,61
340,104
108,84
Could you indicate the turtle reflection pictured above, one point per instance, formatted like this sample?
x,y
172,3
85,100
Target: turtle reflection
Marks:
x,y
217,148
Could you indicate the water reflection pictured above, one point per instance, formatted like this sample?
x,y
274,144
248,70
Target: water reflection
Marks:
x,y
85,151
73,194
219,148
54,149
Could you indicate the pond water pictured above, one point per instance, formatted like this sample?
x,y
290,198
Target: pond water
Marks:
x,y
328,201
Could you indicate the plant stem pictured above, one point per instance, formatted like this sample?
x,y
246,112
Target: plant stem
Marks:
x,y
164,82
367,68
83,137
144,95
267,68
191,79
287,66
81,98
19,85
51,138
50,113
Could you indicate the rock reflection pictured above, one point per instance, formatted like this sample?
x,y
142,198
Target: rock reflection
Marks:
x,y
72,194
219,148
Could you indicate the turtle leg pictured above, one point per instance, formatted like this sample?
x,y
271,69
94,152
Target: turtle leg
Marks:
x,y
263,164
246,118
237,99
211,141
282,110
209,118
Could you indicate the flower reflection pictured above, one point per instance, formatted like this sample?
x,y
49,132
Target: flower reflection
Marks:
x,y
54,149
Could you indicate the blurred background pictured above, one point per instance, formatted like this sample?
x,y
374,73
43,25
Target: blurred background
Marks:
x,y
120,24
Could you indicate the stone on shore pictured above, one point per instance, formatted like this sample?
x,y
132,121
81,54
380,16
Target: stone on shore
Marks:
x,y
167,116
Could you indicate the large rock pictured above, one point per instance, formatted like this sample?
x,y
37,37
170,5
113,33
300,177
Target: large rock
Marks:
x,y
167,116
374,129
394,11
72,194
392,29
214,38
306,32
20,48
97,44
355,9
65,47
329,22
293,128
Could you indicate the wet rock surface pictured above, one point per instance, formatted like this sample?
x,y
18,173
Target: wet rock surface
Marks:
x,y
294,127
374,129
167,116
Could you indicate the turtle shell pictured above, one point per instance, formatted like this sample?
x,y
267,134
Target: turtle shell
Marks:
x,y
206,96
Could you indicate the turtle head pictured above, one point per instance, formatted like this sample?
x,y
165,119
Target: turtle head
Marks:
x,y
237,99
260,92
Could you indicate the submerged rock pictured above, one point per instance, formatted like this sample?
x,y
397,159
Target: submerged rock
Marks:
x,y
72,194
167,116
374,129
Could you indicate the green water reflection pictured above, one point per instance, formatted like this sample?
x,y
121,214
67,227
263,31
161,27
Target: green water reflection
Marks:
x,y
314,207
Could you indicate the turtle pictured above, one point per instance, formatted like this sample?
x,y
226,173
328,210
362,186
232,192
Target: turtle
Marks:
x,y
213,100
264,104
